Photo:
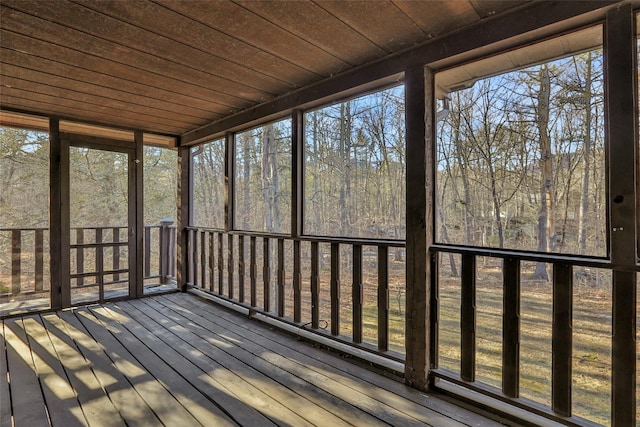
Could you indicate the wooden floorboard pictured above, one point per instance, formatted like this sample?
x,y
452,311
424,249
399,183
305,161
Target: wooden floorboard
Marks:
x,y
177,360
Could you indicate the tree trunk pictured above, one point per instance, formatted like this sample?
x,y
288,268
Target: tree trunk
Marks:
x,y
545,213
584,202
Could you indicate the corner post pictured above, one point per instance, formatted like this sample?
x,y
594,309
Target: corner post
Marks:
x,y
184,199
420,118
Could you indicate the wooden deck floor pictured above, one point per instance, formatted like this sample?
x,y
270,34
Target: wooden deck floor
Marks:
x,y
176,360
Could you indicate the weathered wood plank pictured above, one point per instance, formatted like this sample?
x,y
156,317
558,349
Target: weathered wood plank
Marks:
x,y
290,390
130,40
96,405
5,398
245,382
165,342
122,393
27,400
383,405
191,399
156,396
61,399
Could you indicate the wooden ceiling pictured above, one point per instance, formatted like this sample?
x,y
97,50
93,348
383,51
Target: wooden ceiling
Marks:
x,y
172,66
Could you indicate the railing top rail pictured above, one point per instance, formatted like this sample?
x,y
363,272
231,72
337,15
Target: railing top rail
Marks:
x,y
579,260
319,239
24,229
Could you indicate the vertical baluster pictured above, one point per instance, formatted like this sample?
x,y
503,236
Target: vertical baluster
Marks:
x,y
357,294
281,277
315,290
562,339
468,318
220,264
100,264
212,259
195,258
39,266
16,255
203,260
434,309
147,251
383,298
297,283
241,269
80,255
252,270
511,327
230,264
190,249
266,275
116,253
335,289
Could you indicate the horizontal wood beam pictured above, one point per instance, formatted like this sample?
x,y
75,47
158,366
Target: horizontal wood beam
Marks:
x,y
524,20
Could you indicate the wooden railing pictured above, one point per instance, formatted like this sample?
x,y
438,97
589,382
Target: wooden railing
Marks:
x,y
318,284
559,301
26,249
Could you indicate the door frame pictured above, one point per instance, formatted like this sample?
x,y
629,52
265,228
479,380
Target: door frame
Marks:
x,y
60,223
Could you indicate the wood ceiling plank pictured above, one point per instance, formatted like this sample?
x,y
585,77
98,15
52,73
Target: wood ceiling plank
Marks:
x,y
380,21
308,21
131,40
85,116
39,88
22,23
438,17
238,22
54,76
185,31
71,57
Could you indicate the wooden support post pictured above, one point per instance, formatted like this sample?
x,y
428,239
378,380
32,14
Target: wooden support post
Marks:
x,y
420,134
185,196
511,327
622,151
59,238
562,339
315,287
136,218
334,289
468,318
383,298
357,294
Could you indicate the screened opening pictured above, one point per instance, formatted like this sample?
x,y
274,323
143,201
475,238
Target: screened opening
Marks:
x,y
24,220
208,184
263,178
521,162
355,167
